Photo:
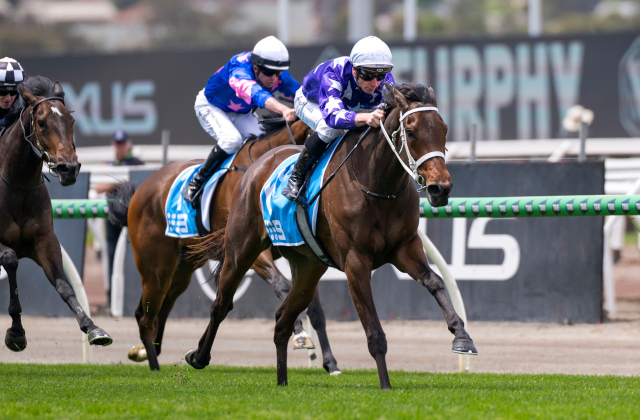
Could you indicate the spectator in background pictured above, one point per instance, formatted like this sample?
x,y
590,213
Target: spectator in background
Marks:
x,y
123,157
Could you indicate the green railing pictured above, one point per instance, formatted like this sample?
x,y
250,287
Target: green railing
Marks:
x,y
79,209
549,206
544,206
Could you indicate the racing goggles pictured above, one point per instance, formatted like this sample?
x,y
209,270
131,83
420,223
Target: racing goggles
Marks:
x,y
4,92
270,72
369,75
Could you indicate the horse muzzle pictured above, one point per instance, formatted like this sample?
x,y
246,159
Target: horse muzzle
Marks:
x,y
438,193
68,172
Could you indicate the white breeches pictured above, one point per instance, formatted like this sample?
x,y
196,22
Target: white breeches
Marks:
x,y
229,129
309,112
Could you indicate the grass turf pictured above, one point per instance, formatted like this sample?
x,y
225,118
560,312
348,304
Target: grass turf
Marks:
x,y
125,391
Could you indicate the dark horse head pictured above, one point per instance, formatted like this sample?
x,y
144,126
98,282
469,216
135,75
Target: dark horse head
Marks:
x,y
425,133
51,127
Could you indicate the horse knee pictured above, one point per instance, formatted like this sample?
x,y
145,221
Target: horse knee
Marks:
x,y
433,283
220,308
282,287
279,312
9,259
377,342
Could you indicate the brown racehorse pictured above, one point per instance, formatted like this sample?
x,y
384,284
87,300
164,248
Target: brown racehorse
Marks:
x,y
360,231
160,259
40,130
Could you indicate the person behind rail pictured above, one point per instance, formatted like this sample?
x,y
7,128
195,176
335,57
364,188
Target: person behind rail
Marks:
x,y
11,76
331,93
122,145
224,106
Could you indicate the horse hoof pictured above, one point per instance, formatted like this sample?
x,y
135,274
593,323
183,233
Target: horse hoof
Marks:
x,y
464,346
335,373
98,337
137,354
190,359
303,341
15,343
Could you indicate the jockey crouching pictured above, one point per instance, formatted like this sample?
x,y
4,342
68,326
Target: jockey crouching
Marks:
x,y
224,106
11,76
329,96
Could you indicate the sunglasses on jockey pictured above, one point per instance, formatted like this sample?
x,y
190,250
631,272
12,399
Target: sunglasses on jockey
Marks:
x,y
269,72
4,92
368,75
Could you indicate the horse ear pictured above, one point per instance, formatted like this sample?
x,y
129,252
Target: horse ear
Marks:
x,y
401,101
57,91
28,95
432,93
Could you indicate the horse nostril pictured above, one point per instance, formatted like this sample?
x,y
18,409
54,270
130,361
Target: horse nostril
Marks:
x,y
434,190
67,169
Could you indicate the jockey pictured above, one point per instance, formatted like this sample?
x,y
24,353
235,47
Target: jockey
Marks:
x,y
224,106
11,76
331,93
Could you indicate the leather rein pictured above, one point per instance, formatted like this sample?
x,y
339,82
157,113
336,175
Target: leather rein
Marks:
x,y
412,169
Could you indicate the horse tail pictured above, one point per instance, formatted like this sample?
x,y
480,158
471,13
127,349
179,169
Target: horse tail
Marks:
x,y
210,248
118,201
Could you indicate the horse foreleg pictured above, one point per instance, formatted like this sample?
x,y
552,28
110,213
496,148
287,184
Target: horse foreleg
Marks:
x,y
179,284
306,274
358,271
265,267
319,323
156,281
49,257
412,260
15,338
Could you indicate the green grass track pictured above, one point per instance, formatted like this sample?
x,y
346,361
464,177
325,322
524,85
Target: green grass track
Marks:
x,y
176,392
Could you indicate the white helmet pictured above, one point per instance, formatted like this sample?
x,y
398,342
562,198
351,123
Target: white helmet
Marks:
x,y
371,52
271,53
11,73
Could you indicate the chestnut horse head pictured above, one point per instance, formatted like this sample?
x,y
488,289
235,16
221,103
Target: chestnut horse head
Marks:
x,y
418,129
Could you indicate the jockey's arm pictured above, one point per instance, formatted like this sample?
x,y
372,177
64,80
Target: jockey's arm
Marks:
x,y
369,118
272,104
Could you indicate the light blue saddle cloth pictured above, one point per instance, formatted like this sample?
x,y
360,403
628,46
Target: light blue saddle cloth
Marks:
x,y
278,211
180,215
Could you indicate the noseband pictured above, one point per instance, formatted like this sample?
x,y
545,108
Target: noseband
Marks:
x,y
37,148
412,169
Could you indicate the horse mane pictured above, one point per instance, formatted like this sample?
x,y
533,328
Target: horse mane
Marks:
x,y
413,92
39,86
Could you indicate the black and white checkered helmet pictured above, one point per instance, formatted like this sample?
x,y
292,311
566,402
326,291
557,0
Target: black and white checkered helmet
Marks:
x,y
11,73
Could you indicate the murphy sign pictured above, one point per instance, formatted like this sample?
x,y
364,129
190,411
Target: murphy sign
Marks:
x,y
514,88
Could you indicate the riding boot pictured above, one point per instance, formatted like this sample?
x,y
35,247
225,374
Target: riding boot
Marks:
x,y
305,161
193,188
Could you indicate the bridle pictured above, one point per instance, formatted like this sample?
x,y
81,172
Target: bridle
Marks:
x,y
37,148
412,169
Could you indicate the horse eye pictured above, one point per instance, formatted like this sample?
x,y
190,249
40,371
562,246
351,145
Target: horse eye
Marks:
x,y
41,124
410,135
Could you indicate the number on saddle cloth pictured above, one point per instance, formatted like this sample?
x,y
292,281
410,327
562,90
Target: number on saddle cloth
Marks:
x,y
183,220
